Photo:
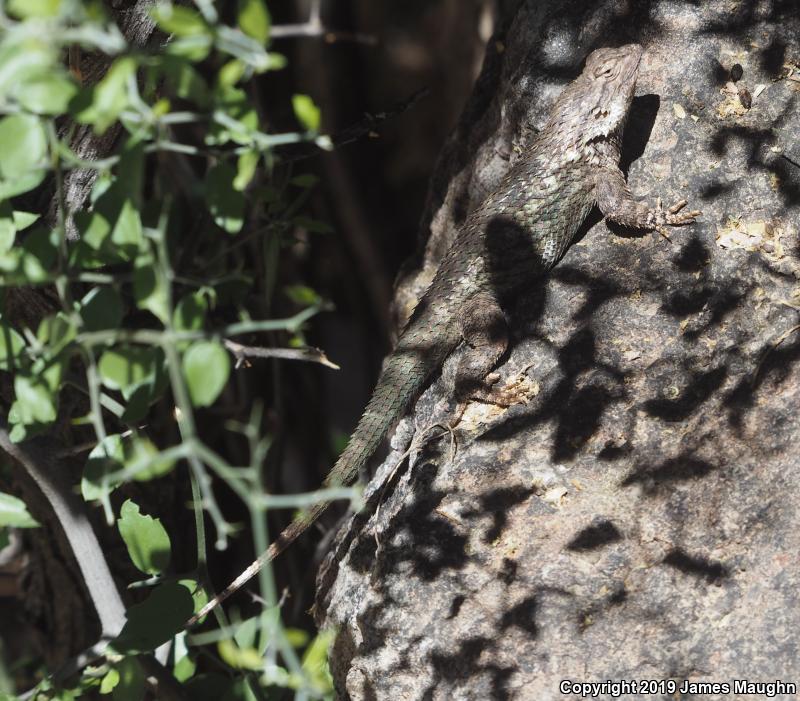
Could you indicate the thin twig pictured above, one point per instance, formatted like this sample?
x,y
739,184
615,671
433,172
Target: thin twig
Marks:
x,y
308,354
314,27
308,29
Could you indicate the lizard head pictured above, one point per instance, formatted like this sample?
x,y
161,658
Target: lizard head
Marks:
x,y
602,94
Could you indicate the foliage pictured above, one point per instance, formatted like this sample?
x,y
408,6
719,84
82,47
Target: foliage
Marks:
x,y
151,284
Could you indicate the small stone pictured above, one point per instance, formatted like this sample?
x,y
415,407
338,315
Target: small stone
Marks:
x,y
745,98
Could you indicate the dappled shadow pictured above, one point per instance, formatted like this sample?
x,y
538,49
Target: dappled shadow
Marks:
x,y
785,174
430,542
464,663
578,410
523,616
696,566
776,361
602,532
699,388
692,299
680,469
588,616
496,504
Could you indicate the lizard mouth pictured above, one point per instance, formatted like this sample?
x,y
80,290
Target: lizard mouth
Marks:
x,y
634,54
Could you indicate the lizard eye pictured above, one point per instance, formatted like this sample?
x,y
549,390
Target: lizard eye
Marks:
x,y
603,71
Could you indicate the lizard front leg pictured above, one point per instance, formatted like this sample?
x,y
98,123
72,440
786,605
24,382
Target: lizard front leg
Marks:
x,y
617,204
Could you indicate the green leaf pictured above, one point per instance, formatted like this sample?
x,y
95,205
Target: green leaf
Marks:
x,y
306,111
156,619
126,367
180,21
8,234
231,73
185,81
39,254
13,512
20,431
239,657
110,680
56,331
24,60
199,595
246,633
47,94
139,373
140,450
23,153
297,637
302,295
225,202
315,662
21,184
127,232
102,104
10,223
34,8
195,47
103,469
206,366
245,169
190,314
36,402
254,19
147,540
131,683
105,459
149,288
112,231
184,669
238,107
11,347
22,220
277,61
101,309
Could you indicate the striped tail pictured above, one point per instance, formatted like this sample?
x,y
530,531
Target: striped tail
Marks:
x,y
405,374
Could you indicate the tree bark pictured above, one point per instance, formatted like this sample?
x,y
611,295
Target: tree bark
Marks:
x,y
637,518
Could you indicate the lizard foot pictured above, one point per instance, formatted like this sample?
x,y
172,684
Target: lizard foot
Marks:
x,y
519,390
659,219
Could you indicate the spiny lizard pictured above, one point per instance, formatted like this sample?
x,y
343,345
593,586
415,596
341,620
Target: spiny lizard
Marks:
x,y
518,233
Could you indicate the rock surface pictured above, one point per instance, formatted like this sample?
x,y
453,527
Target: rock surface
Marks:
x,y
638,517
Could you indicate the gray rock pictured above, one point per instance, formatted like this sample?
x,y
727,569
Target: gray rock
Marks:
x,y
637,518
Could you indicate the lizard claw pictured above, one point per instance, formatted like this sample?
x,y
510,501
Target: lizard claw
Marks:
x,y
673,216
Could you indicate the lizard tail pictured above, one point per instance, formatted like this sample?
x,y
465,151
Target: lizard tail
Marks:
x,y
404,375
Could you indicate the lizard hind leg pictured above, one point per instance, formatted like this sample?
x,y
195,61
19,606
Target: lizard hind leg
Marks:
x,y
485,331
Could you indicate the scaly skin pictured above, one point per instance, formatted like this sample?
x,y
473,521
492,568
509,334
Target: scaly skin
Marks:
x,y
517,234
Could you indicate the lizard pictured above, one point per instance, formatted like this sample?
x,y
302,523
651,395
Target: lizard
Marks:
x,y
519,232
